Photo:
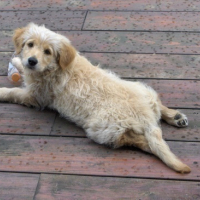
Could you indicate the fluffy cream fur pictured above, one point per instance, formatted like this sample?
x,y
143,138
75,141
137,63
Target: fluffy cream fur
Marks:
x,y
112,111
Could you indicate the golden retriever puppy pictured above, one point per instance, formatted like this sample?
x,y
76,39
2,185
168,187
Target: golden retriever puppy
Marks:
x,y
112,111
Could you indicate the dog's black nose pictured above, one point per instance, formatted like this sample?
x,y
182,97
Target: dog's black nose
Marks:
x,y
32,61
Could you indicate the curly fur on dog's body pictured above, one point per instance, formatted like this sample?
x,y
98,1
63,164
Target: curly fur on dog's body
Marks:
x,y
112,111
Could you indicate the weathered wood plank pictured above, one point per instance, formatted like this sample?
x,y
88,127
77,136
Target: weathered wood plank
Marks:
x,y
18,186
142,21
137,65
124,42
70,20
177,93
6,41
62,127
4,82
86,187
146,5
17,119
135,42
173,93
82,156
148,65
191,133
4,60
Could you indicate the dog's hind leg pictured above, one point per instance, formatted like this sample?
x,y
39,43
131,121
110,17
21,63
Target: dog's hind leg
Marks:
x,y
173,117
129,138
160,148
17,95
152,142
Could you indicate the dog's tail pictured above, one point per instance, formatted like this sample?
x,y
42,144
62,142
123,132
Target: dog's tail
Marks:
x,y
160,148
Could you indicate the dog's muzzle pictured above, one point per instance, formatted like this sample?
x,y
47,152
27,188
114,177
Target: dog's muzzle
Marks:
x,y
32,62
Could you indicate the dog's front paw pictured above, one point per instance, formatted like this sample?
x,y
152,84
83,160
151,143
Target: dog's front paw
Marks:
x,y
16,61
180,120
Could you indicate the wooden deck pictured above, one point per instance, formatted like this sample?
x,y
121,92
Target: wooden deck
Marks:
x,y
43,156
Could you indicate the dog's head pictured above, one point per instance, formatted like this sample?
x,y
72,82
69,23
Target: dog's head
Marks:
x,y
42,49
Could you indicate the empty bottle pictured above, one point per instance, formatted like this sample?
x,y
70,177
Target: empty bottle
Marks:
x,y
13,74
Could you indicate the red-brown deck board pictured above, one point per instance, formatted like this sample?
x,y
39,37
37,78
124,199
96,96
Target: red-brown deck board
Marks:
x,y
87,187
124,42
18,186
40,154
54,20
17,119
161,66
144,5
43,156
143,21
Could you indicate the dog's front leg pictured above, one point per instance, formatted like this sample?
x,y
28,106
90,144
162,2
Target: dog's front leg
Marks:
x,y
18,95
18,64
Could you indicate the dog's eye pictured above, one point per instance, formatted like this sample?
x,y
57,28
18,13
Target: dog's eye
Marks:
x,y
47,51
30,44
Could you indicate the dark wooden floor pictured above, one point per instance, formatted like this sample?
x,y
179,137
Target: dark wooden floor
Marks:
x,y
43,156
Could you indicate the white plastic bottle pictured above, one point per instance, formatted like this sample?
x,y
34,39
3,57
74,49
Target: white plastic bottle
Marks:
x,y
13,74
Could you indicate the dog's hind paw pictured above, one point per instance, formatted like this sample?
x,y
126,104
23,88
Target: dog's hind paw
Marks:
x,y
180,120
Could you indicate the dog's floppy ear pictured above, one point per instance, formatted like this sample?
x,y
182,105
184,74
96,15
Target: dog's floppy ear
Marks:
x,y
67,54
18,39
